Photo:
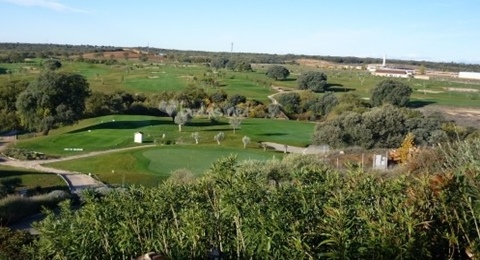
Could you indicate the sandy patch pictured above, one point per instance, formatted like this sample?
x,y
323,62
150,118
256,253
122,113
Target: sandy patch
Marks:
x,y
153,77
462,89
314,63
430,91
465,116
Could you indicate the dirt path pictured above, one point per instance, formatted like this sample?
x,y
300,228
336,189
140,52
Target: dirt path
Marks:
x,y
76,181
295,149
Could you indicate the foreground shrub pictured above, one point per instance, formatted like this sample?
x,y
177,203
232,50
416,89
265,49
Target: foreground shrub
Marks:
x,y
295,208
15,207
12,244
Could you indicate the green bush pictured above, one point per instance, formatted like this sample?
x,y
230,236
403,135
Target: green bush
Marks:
x,y
295,208
12,244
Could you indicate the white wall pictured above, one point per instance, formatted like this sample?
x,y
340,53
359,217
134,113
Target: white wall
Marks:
x,y
469,75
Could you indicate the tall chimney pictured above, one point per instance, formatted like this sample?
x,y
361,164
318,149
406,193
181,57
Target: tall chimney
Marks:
x,y
384,60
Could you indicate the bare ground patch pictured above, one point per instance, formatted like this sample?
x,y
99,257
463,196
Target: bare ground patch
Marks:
x,y
430,91
467,90
465,116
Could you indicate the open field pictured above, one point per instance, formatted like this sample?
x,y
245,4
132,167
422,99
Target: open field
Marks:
x,y
27,179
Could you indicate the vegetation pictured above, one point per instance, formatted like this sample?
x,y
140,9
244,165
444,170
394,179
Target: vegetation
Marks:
x,y
391,91
15,207
52,99
295,208
277,72
51,64
384,127
9,93
313,80
12,243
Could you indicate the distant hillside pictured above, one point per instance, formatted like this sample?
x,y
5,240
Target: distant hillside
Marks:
x,y
17,52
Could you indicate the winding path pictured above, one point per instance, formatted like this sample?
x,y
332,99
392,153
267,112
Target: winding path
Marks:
x,y
75,180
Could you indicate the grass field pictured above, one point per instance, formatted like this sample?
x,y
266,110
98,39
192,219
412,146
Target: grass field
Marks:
x,y
150,166
27,179
151,78
435,91
117,131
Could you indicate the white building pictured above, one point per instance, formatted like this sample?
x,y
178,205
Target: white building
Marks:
x,y
469,75
384,71
393,73
138,138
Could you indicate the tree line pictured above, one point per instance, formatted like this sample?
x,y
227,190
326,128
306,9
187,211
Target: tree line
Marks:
x,y
17,52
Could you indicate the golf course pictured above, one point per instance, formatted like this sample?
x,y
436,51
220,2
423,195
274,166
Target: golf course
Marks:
x,y
170,149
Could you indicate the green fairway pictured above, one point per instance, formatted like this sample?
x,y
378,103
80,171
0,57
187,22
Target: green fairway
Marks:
x,y
151,78
176,150
117,131
28,179
152,165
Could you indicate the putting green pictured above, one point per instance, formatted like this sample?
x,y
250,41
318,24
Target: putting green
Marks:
x,y
196,159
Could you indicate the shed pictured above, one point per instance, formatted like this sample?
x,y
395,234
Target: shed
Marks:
x,y
138,138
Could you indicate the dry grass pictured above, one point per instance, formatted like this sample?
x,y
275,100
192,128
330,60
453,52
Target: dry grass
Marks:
x,y
15,207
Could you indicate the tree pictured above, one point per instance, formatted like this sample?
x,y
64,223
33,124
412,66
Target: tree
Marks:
x,y
277,72
170,108
183,117
218,96
405,150
219,63
422,70
387,125
313,80
51,64
219,137
391,91
236,99
53,99
143,57
350,102
9,93
196,136
245,141
235,122
328,101
290,102
274,109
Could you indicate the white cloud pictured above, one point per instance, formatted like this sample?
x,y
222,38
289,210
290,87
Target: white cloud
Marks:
x,y
49,4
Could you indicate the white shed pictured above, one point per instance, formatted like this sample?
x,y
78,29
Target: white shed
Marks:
x,y
469,75
138,138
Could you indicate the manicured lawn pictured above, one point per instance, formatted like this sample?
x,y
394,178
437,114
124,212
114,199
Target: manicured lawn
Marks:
x,y
176,150
150,166
28,179
117,131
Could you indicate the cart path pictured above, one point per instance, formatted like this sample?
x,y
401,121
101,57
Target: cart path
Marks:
x,y
295,149
76,181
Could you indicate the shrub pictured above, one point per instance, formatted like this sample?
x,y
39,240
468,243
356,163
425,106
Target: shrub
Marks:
x,y
313,80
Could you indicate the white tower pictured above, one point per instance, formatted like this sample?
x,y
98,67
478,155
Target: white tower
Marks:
x,y
384,64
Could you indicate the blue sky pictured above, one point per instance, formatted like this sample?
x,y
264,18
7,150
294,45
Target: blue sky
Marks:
x,y
437,30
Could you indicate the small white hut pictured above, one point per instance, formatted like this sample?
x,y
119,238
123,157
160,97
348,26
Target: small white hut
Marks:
x,y
138,138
